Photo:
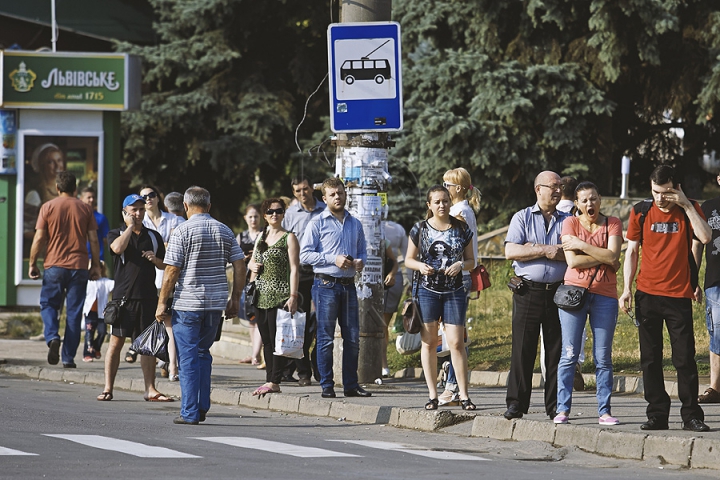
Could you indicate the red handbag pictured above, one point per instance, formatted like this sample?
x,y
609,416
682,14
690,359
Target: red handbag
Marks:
x,y
480,280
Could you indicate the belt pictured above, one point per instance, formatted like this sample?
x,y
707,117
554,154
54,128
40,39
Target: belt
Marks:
x,y
541,285
340,280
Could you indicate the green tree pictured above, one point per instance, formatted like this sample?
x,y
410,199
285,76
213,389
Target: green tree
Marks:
x,y
226,85
507,89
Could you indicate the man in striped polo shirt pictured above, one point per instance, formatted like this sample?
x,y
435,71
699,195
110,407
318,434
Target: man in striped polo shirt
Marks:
x,y
197,253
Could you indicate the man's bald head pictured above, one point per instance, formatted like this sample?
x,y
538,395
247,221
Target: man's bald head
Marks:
x,y
548,190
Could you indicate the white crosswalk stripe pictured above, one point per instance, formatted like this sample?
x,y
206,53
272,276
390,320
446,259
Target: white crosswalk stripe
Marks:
x,y
10,451
123,446
276,447
413,450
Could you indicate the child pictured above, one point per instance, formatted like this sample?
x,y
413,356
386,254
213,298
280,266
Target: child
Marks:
x,y
96,298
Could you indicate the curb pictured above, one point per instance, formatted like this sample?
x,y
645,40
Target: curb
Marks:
x,y
685,452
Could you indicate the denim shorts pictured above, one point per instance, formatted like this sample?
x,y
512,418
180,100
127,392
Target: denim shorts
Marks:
x,y
712,317
450,306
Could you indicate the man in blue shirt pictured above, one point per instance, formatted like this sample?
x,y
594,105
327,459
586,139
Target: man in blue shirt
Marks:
x,y
533,244
88,196
335,247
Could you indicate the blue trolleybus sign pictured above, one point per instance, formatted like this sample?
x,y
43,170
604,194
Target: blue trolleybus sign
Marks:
x,y
365,77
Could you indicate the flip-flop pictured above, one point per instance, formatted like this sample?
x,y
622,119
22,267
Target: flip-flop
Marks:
x,y
157,398
105,397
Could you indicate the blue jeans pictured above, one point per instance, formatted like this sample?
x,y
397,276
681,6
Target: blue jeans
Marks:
x,y
450,306
712,317
60,284
95,330
603,312
194,335
336,302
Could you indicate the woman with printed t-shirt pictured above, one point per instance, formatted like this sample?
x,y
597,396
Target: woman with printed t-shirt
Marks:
x,y
440,248
591,242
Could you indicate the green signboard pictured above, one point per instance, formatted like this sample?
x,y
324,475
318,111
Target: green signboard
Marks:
x,y
71,81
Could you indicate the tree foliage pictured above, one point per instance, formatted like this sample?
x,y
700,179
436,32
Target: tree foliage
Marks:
x,y
508,89
226,85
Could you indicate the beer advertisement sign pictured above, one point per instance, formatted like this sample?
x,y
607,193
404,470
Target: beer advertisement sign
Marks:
x,y
72,81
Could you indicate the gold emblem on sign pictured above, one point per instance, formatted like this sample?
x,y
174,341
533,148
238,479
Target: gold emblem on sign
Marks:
x,y
22,78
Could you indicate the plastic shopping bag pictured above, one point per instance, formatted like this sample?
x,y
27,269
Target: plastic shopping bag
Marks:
x,y
408,343
290,334
153,341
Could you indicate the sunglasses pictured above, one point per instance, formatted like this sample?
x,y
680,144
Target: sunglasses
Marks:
x,y
271,211
448,184
149,195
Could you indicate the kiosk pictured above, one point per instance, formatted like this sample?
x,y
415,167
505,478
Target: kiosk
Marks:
x,y
58,111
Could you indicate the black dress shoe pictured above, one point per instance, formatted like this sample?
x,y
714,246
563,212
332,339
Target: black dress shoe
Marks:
x,y
357,392
304,382
655,423
328,392
695,425
203,414
513,411
289,378
69,365
182,421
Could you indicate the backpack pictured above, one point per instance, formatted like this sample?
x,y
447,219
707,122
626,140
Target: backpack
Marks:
x,y
642,208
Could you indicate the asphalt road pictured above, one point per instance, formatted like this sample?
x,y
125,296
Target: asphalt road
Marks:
x,y
58,430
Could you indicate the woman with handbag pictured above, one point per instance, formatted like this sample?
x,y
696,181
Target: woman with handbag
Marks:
x,y
440,248
275,267
591,242
246,239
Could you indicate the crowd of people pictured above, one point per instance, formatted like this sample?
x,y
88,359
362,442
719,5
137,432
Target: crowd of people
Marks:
x,y
304,254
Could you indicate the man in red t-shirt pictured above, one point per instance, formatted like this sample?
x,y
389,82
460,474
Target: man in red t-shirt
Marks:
x,y
64,225
665,292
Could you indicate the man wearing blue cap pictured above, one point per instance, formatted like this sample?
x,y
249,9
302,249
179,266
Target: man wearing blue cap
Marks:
x,y
136,252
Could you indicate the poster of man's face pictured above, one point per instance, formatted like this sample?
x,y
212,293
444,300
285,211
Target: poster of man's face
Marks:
x,y
43,158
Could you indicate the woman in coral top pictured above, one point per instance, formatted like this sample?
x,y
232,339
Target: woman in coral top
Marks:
x,y
591,242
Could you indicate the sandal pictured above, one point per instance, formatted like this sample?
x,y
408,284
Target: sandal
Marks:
x,y
467,404
709,396
105,397
130,356
432,404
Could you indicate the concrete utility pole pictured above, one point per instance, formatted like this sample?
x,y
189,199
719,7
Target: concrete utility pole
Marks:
x,y
369,151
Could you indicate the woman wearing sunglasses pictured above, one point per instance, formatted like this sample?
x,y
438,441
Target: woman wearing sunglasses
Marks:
x,y
163,223
465,200
275,267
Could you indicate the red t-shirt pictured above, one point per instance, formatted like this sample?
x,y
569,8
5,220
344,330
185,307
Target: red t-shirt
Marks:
x,y
605,282
67,221
664,269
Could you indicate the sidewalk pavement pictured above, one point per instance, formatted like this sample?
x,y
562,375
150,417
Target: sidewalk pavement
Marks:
x,y
399,402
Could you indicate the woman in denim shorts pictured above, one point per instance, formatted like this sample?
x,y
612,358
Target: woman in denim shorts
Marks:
x,y
440,248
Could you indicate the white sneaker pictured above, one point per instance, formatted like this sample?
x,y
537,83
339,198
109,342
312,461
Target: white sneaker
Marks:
x,y
448,397
385,372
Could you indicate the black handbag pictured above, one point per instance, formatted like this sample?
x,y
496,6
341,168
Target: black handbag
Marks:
x,y
570,297
113,310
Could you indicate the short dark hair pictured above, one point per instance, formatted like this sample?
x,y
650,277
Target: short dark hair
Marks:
x,y
88,189
568,185
299,179
663,174
66,182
